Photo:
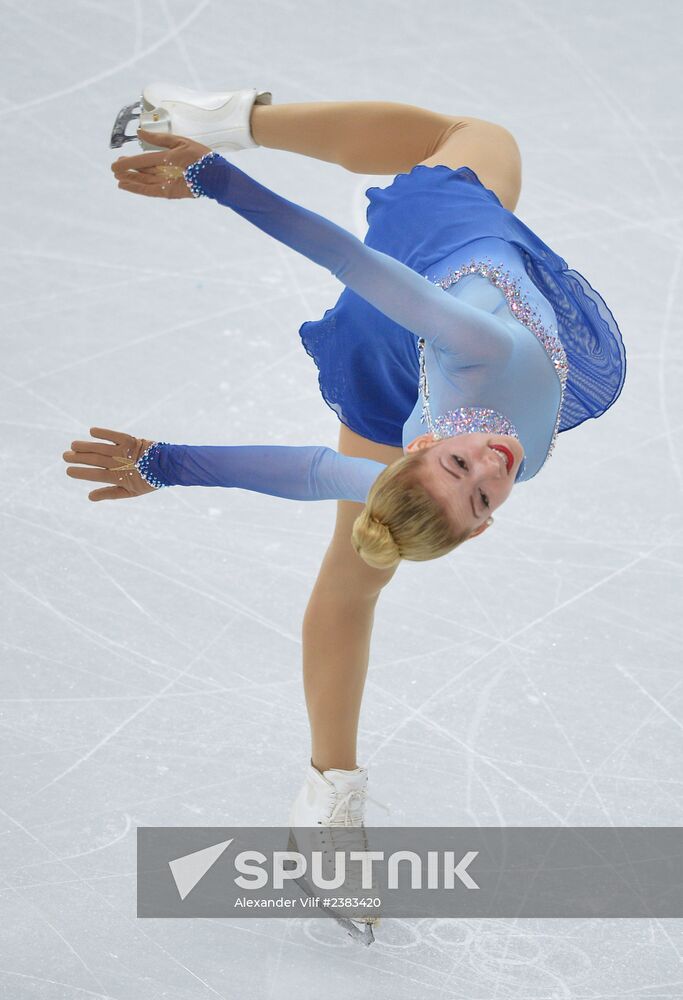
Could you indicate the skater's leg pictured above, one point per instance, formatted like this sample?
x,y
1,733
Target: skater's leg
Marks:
x,y
488,149
382,137
366,137
337,627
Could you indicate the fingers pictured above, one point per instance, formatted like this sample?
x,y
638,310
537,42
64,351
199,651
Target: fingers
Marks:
x,y
146,175
92,475
167,139
118,437
100,459
154,190
99,463
109,493
139,177
142,160
90,446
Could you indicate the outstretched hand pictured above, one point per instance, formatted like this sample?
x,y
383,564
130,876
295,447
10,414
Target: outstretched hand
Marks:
x,y
113,463
159,175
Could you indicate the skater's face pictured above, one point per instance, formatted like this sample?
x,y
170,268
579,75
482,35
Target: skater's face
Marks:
x,y
467,475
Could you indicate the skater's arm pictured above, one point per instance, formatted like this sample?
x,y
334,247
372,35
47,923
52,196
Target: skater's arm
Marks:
x,y
470,334
133,466
295,473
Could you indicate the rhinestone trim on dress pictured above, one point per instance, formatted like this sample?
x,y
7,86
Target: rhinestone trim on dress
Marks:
x,y
142,465
523,311
191,173
471,419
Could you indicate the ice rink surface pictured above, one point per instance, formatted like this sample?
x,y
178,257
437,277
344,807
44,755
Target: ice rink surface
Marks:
x,y
151,647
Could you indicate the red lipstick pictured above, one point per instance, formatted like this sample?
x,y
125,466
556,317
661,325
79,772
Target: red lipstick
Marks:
x,y
509,457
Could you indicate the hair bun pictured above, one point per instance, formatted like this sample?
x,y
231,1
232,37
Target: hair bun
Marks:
x,y
374,542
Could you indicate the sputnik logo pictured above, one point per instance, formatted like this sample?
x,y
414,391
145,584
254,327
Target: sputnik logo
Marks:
x,y
191,868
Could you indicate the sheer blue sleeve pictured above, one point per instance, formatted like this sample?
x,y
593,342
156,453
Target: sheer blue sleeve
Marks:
x,y
295,473
470,334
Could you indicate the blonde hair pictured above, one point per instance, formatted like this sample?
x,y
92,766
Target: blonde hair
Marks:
x,y
401,520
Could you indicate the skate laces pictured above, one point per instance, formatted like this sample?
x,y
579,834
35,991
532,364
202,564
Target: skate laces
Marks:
x,y
347,832
349,807
345,822
343,830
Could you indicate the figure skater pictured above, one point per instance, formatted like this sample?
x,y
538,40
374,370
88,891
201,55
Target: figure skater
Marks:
x,y
460,347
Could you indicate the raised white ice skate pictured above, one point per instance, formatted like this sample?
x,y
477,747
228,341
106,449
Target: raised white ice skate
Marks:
x,y
217,119
328,816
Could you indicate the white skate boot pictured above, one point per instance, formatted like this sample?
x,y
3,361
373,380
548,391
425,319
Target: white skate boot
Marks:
x,y
333,803
217,119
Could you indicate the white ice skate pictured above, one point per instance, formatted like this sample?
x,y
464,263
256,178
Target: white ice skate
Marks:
x,y
333,802
217,119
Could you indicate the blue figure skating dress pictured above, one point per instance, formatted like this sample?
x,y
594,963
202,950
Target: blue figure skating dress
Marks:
x,y
448,281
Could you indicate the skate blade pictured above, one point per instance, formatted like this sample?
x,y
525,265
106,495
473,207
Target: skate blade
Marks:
x,y
361,931
364,933
126,115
